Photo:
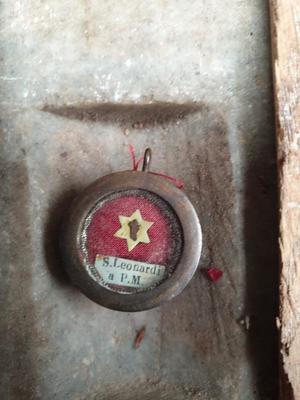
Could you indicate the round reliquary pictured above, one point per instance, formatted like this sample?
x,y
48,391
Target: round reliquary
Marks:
x,y
131,240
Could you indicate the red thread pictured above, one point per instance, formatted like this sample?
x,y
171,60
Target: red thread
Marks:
x,y
135,165
176,182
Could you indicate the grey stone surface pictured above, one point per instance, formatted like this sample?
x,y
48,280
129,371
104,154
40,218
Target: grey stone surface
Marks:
x,y
76,76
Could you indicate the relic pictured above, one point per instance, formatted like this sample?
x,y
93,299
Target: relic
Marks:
x,y
131,240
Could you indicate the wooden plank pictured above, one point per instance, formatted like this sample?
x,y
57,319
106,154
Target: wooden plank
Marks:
x,y
286,61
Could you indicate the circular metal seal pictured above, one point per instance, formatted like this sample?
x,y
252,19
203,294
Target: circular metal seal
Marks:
x,y
131,241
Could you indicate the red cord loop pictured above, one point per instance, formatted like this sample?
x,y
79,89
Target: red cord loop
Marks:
x,y
135,163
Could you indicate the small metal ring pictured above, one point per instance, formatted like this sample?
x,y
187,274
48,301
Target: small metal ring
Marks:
x,y
147,160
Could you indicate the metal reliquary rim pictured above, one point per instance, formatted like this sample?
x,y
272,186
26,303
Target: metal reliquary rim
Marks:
x,y
75,222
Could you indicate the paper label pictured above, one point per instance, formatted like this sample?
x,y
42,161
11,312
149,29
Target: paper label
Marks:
x,y
129,273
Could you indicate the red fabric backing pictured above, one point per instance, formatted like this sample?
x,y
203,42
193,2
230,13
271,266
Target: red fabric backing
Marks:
x,y
105,223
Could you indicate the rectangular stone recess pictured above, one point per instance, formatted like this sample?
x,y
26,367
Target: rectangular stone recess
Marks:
x,y
80,81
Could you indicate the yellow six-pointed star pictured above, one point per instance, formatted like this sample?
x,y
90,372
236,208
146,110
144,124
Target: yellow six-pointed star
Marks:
x,y
133,229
